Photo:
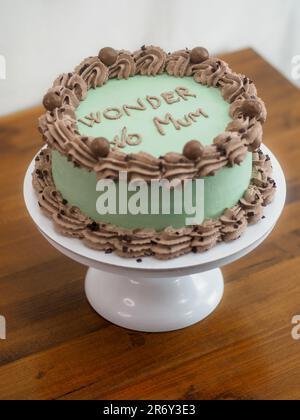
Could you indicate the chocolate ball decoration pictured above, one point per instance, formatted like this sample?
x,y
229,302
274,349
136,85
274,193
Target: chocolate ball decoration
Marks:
x,y
108,56
251,108
100,147
193,150
51,101
198,55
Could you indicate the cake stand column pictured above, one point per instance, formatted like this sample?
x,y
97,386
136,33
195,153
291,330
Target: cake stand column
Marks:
x,y
154,304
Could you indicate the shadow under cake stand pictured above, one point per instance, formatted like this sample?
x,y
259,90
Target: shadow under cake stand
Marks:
x,y
154,295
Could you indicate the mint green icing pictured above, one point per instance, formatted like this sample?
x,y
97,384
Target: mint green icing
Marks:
x,y
116,93
221,191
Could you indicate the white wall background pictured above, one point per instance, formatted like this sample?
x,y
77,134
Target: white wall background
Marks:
x,y
42,38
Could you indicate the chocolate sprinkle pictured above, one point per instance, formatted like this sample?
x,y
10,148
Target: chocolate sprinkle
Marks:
x,y
94,227
126,238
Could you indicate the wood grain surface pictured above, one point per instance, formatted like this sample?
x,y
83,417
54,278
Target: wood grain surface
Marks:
x,y
57,347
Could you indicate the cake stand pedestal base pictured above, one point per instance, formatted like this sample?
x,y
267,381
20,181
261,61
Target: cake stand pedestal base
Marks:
x,y
154,304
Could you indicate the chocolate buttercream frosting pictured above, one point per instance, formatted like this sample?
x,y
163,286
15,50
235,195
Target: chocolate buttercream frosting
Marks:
x,y
210,72
150,60
206,236
238,109
80,151
143,166
262,162
252,204
110,166
234,223
138,166
50,200
179,64
70,221
266,185
175,166
250,131
124,67
231,146
73,82
42,176
67,96
236,86
93,72
59,128
211,161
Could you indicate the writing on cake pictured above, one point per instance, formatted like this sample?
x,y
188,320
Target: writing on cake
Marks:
x,y
150,101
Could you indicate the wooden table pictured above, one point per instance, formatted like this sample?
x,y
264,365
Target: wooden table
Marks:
x,y
58,348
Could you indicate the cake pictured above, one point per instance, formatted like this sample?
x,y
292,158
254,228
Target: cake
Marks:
x,y
156,118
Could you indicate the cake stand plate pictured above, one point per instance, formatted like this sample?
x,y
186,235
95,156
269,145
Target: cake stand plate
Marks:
x,y
154,295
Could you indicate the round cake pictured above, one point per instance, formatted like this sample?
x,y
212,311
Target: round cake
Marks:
x,y
153,154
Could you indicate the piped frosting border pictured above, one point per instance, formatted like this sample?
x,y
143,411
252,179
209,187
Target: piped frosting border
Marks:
x,y
244,133
166,244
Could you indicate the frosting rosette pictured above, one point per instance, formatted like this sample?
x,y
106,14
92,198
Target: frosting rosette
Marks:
x,y
252,204
234,223
231,146
179,64
250,131
124,67
211,161
93,72
206,236
150,61
210,72
252,108
59,128
235,86
74,83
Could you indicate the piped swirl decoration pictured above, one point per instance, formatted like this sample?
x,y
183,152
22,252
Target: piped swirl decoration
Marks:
x,y
166,244
59,126
74,83
93,72
185,62
124,67
236,86
232,147
150,61
178,64
211,72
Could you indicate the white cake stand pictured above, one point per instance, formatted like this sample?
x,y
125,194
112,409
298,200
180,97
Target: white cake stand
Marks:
x,y
153,295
